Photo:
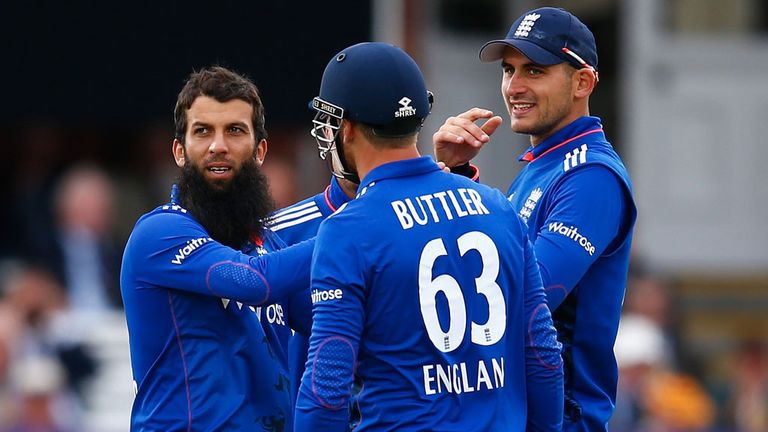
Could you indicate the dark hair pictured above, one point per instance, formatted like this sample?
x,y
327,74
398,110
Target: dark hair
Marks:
x,y
224,85
381,140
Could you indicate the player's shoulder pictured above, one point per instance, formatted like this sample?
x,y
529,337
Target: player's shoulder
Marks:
x,y
591,152
593,177
487,193
590,187
164,221
164,214
347,212
299,213
350,217
295,207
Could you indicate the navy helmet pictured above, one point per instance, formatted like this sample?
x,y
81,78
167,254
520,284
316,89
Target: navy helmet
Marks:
x,y
373,83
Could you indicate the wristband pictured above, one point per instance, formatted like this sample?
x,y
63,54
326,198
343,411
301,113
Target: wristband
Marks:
x,y
467,170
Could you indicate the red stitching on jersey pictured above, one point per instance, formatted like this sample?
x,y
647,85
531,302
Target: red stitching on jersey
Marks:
x,y
183,361
569,140
556,286
530,337
322,401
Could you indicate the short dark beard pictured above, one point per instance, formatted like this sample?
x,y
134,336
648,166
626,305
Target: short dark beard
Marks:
x,y
231,213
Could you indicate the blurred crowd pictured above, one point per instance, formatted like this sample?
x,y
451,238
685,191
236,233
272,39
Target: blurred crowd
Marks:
x,y
59,283
58,286
663,387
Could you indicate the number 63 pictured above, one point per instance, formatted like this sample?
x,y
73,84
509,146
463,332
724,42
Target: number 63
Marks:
x,y
487,333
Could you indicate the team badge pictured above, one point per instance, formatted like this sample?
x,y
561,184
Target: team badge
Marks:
x,y
530,204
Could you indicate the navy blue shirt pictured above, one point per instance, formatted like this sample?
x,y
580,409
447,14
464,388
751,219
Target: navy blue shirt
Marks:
x,y
576,197
200,357
300,221
427,288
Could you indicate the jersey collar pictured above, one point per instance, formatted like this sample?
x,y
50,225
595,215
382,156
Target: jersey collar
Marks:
x,y
403,168
580,127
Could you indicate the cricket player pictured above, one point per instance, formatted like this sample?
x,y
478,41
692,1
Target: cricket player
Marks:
x,y
574,193
425,285
207,334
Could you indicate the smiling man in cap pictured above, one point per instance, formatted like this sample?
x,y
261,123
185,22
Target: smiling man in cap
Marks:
x,y
573,193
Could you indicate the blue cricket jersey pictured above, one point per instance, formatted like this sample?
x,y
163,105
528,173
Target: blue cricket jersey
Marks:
x,y
427,288
200,357
294,224
300,221
576,198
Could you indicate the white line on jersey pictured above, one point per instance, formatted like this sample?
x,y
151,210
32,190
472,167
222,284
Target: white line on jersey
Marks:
x,y
290,210
575,157
290,223
290,214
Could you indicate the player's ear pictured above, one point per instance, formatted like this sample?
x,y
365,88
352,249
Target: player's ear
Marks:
x,y
348,130
586,80
261,151
178,153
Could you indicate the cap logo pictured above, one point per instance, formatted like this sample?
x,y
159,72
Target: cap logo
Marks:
x,y
526,25
406,110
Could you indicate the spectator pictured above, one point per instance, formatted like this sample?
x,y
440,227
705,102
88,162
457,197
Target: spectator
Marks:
x,y
83,255
748,404
38,384
651,395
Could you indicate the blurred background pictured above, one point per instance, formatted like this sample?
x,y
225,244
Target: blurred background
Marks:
x,y
86,129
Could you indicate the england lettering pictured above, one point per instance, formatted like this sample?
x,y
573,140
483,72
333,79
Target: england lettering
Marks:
x,y
463,377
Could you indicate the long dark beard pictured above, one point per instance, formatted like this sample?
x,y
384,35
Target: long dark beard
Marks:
x,y
230,213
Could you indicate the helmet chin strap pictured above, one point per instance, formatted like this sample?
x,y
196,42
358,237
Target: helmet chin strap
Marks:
x,y
339,166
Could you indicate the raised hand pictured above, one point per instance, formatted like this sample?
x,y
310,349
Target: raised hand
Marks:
x,y
460,139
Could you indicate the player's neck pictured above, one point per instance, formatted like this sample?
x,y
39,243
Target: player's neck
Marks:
x,y
565,121
368,157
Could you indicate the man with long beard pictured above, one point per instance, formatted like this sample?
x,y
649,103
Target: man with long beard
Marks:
x,y
200,290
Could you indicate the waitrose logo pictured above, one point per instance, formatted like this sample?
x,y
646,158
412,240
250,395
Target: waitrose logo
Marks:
x,y
191,246
572,233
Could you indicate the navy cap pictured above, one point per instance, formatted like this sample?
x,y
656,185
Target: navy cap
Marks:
x,y
547,36
377,84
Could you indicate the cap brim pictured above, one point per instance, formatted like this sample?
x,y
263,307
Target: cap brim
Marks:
x,y
494,51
